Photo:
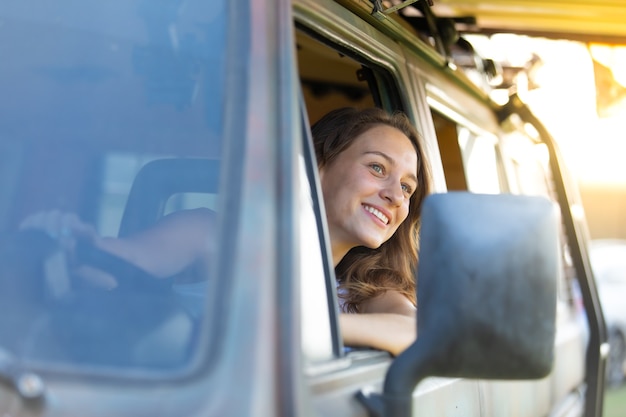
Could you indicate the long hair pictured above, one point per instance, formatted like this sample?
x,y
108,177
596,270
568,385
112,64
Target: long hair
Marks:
x,y
364,273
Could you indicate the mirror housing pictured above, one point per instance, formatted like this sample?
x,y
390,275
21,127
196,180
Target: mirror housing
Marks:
x,y
486,294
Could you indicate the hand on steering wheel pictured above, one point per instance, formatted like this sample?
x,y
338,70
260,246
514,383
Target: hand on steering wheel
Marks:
x,y
78,240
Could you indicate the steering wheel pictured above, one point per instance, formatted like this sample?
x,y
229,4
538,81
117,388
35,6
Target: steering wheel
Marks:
x,y
30,249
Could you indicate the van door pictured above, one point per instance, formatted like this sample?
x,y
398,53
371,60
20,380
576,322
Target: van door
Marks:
x,y
494,162
91,92
530,165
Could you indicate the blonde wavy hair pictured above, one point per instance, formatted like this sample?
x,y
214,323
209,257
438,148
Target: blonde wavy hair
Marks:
x,y
365,273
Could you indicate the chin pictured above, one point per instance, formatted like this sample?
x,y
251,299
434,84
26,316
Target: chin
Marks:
x,y
373,244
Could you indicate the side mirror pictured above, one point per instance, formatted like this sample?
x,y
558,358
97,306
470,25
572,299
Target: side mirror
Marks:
x,y
486,295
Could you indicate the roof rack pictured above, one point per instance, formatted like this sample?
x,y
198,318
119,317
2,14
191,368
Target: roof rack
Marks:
x,y
379,10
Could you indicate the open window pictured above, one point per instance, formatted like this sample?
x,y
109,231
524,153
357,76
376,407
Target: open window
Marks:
x,y
330,78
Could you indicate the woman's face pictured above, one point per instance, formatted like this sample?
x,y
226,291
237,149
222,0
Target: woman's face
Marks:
x,y
367,188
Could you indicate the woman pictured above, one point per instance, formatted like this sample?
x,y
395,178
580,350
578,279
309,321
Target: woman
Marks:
x,y
373,178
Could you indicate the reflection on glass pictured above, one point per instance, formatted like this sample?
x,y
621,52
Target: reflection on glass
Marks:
x,y
92,92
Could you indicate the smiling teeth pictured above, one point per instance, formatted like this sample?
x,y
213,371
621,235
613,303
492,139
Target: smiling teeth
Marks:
x,y
377,213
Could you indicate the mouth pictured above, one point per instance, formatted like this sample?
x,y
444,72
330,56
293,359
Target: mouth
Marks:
x,y
383,218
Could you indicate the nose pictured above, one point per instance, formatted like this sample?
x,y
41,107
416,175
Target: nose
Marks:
x,y
393,193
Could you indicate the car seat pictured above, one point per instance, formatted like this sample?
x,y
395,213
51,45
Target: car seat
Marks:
x,y
160,179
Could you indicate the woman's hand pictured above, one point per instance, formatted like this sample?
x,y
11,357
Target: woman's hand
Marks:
x,y
62,226
67,228
387,322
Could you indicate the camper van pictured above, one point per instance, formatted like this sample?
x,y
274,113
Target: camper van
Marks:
x,y
121,112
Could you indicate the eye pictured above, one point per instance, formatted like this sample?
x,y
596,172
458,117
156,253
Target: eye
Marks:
x,y
379,169
407,189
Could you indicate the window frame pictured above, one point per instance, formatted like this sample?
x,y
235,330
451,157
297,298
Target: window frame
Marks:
x,y
387,78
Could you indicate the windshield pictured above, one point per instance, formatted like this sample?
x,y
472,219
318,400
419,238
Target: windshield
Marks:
x,y
110,119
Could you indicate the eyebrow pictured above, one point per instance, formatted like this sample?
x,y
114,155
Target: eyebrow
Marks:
x,y
391,161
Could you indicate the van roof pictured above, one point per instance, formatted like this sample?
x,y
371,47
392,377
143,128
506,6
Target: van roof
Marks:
x,y
590,21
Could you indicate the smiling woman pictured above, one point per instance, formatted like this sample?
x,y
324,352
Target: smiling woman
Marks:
x,y
371,183
374,179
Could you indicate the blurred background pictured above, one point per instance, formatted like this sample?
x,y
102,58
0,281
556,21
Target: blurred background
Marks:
x,y
578,90
567,61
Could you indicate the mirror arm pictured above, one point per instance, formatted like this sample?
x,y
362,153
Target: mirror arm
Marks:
x,y
396,399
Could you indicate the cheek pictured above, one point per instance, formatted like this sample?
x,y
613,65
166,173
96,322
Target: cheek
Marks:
x,y
404,212
327,185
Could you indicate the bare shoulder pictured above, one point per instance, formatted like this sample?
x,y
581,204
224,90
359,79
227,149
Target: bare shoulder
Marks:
x,y
389,302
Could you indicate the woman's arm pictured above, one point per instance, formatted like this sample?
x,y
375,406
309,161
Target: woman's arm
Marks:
x,y
387,322
174,243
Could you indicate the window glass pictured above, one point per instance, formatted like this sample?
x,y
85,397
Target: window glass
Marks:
x,y
118,172
481,165
530,162
93,94
470,160
532,175
316,330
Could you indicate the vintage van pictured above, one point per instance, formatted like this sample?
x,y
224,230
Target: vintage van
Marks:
x,y
122,111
